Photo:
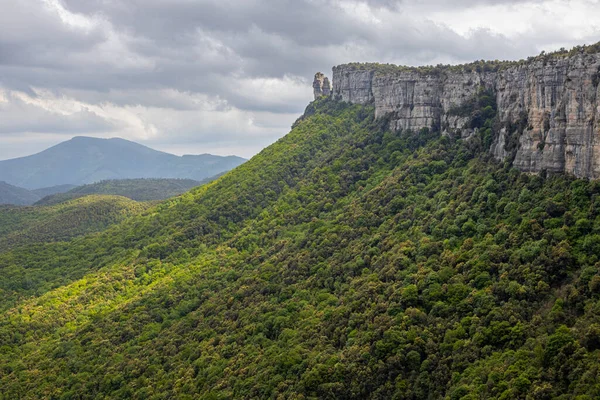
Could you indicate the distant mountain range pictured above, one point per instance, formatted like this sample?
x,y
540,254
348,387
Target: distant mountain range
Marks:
x,y
84,160
10,194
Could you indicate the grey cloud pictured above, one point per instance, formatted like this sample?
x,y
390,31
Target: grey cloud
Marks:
x,y
310,22
187,42
33,35
17,117
210,56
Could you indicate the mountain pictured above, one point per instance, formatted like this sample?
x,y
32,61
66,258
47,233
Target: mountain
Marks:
x,y
27,225
49,191
350,259
144,189
15,195
547,117
344,261
83,160
10,194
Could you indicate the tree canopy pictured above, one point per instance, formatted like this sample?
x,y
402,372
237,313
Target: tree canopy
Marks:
x,y
343,261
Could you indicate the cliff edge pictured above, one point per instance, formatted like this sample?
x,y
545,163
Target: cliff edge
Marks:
x,y
546,106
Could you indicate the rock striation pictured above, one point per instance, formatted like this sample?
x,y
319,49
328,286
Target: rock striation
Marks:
x,y
321,86
547,106
326,87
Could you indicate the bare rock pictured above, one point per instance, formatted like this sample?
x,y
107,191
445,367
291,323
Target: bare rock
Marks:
x,y
547,107
326,87
321,86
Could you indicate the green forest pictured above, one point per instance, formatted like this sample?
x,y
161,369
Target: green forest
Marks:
x,y
26,225
143,189
344,261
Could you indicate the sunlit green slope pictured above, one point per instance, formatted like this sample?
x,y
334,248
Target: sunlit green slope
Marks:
x,y
136,189
39,230
26,225
343,261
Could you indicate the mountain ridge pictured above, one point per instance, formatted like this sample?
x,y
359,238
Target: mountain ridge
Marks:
x,y
11,194
21,226
546,105
141,189
344,261
83,160
349,260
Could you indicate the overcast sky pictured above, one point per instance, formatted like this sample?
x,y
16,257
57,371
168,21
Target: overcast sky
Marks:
x,y
231,76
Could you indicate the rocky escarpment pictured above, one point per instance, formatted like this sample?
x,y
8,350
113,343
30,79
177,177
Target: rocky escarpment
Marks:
x,y
321,86
547,106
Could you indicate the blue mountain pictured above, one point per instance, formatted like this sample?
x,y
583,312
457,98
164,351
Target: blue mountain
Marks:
x,y
83,160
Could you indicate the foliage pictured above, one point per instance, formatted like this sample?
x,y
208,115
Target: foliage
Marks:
x,y
343,261
26,225
143,189
481,113
479,66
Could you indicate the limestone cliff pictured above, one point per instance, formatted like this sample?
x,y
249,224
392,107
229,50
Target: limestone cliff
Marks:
x,y
321,85
547,106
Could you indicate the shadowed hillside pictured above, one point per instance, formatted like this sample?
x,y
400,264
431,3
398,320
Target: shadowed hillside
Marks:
x,y
10,194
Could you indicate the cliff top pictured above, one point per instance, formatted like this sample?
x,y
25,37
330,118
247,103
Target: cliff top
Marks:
x,y
478,66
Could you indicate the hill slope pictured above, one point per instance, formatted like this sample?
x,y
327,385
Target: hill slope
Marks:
x,y
10,194
27,225
135,189
84,160
18,196
49,191
344,261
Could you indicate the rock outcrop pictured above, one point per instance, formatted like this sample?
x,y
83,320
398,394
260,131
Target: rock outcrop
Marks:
x,y
547,106
326,87
321,85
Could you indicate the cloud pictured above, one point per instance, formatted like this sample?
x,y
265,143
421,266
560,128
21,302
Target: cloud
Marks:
x,y
234,74
20,113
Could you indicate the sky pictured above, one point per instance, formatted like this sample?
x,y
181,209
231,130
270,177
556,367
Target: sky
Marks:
x,y
231,76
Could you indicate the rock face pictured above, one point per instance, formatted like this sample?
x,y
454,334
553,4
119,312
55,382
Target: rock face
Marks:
x,y
559,99
546,107
326,87
321,85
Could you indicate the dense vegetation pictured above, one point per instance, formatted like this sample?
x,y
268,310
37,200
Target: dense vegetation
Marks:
x,y
477,66
344,261
135,189
26,225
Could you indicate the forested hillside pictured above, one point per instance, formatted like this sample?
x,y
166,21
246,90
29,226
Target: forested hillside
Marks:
x,y
49,191
13,195
343,261
27,225
136,189
10,194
